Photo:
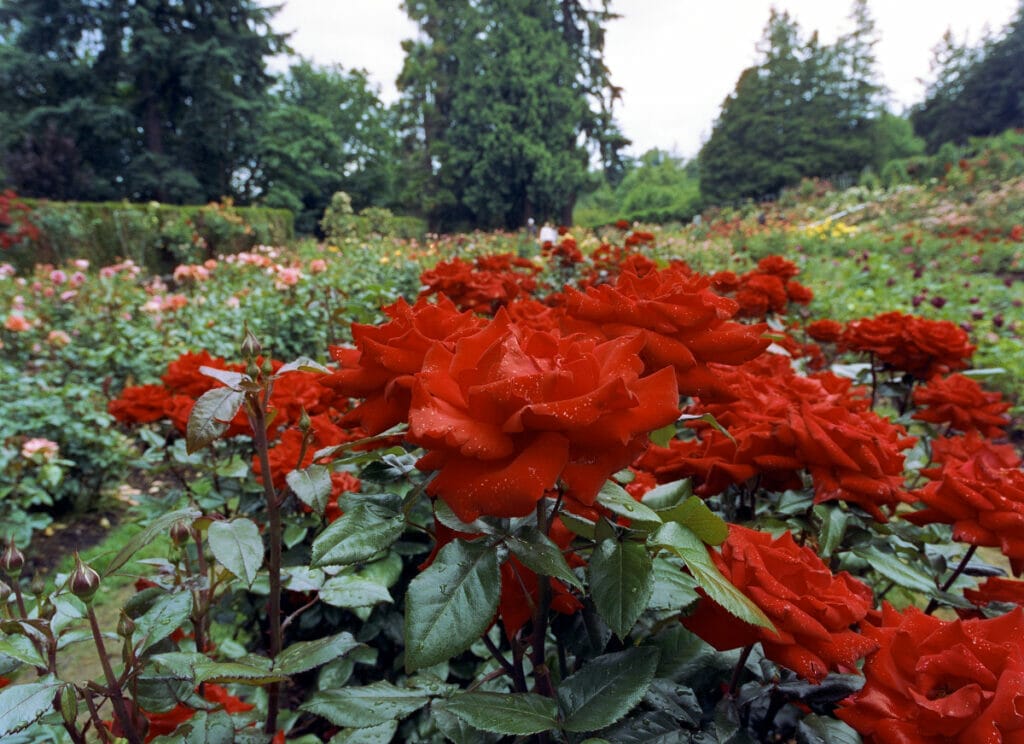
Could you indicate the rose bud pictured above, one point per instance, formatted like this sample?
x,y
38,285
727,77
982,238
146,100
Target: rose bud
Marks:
x,y
84,581
180,533
938,301
12,559
998,320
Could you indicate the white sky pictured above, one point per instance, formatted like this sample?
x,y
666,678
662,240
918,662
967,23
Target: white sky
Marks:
x,y
676,60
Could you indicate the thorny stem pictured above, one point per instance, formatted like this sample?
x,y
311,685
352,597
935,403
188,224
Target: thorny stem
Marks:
x,y
257,420
498,656
933,604
540,622
114,687
95,716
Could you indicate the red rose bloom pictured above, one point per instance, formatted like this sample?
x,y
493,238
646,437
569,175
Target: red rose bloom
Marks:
x,y
962,403
825,331
142,404
813,610
923,348
979,489
510,411
997,589
938,682
682,322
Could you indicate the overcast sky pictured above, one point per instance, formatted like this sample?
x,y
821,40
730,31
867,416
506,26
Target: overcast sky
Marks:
x,y
676,60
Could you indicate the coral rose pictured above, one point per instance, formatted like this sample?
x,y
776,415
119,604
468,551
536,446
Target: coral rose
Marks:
x,y
813,610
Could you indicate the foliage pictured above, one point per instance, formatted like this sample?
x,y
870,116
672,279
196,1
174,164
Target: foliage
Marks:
x,y
493,114
325,130
804,110
122,100
976,90
659,188
155,236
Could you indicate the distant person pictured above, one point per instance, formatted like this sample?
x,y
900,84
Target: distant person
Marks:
x,y
548,234
531,228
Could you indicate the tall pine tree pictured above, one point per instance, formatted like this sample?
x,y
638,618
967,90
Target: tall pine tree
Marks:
x,y
500,100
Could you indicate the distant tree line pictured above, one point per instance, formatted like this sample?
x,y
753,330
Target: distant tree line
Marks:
x,y
505,112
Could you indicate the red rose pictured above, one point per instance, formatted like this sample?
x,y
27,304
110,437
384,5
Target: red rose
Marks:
x,y
683,323
979,489
142,404
510,411
997,589
924,348
939,682
813,610
962,403
825,330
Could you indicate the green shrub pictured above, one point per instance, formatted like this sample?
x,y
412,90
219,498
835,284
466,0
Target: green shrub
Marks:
x,y
155,236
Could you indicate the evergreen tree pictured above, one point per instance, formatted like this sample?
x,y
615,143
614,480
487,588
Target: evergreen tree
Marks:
x,y
325,130
976,91
499,98
159,97
806,109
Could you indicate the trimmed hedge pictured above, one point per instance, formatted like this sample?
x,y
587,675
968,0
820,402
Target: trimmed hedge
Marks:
x,y
156,236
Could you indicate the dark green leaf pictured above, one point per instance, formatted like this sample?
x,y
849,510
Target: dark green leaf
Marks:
x,y
648,727
302,364
357,535
504,713
458,731
306,655
197,668
538,553
214,727
685,544
667,495
312,486
451,603
606,689
238,547
833,528
444,514
158,526
351,590
673,588
826,730
892,568
370,705
621,582
210,417
617,500
167,614
382,733
578,525
20,647
23,705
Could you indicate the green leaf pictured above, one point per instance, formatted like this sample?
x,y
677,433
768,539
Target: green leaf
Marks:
x,y
892,568
168,613
826,730
673,588
664,435
350,590
20,647
210,417
606,688
357,535
621,582
451,603
538,553
312,486
226,377
667,495
369,705
833,527
238,547
709,419
23,705
382,733
444,514
302,364
458,731
617,500
520,713
158,526
207,727
197,668
578,525
695,515
685,544
306,655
